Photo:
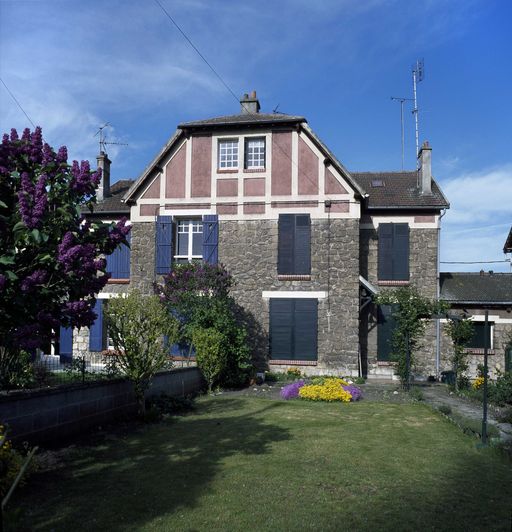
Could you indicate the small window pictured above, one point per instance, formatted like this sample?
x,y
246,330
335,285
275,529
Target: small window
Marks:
x,y
228,154
255,153
189,240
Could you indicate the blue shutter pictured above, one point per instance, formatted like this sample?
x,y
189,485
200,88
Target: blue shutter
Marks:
x,y
401,252
281,329
302,245
305,329
211,238
96,330
66,344
163,244
385,252
386,324
118,263
285,244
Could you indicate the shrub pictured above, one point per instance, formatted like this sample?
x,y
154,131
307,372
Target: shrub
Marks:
x,y
500,392
416,394
359,380
210,355
291,391
294,372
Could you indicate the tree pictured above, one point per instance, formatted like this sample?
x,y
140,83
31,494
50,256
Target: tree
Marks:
x,y
210,353
410,310
460,331
198,294
52,259
137,325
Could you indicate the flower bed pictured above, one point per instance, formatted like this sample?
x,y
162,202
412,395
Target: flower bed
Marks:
x,y
322,389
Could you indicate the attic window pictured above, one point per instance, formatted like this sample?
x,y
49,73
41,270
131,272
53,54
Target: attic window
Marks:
x,y
376,183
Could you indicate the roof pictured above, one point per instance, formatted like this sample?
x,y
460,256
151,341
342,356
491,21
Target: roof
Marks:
x,y
477,288
507,248
398,190
243,119
114,203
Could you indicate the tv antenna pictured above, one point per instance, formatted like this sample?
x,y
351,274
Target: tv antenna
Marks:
x,y
103,138
402,100
418,74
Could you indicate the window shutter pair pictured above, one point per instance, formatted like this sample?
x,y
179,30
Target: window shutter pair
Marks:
x,y
294,244
393,252
164,241
118,263
293,329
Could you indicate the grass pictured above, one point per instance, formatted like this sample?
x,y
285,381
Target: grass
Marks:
x,y
256,464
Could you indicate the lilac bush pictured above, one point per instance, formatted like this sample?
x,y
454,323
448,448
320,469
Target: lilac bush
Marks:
x,y
291,391
51,259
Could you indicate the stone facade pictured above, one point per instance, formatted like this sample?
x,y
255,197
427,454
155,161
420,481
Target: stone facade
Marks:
x,y
423,249
249,250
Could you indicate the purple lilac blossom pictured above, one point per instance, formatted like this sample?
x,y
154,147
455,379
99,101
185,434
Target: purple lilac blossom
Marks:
x,y
37,277
291,391
354,391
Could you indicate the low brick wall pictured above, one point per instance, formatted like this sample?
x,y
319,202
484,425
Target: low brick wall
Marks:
x,y
53,414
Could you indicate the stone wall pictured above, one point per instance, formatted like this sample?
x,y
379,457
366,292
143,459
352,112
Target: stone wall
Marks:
x,y
142,263
423,276
248,249
50,415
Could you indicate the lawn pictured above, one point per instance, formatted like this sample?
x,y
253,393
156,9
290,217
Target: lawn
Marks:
x,y
256,464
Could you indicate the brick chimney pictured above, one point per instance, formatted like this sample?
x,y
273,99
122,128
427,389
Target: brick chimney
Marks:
x,y
425,168
249,104
104,162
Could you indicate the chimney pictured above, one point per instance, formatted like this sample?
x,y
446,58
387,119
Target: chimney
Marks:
x,y
103,190
425,168
249,104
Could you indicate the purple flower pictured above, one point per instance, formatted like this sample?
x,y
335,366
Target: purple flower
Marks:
x,y
62,155
291,391
80,312
37,277
354,391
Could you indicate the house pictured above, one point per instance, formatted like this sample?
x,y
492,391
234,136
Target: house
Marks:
x,y
507,248
307,241
471,294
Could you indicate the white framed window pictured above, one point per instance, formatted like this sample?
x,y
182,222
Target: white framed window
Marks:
x,y
228,154
254,153
189,240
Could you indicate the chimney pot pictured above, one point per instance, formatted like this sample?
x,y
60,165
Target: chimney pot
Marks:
x,y
249,104
104,163
425,168
482,273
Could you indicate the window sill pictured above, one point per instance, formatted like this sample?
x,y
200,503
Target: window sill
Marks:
x,y
385,363
276,362
254,170
293,277
227,170
393,283
478,351
118,281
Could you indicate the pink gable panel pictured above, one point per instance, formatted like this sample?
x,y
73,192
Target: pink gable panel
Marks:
x,y
308,169
281,163
201,166
227,187
332,185
153,192
175,175
254,186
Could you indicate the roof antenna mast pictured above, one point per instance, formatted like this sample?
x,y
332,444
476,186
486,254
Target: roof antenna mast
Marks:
x,y
402,100
418,73
103,138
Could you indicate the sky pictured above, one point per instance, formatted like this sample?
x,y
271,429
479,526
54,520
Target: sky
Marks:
x,y
74,66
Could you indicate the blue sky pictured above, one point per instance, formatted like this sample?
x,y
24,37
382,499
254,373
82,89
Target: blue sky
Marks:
x,y
75,65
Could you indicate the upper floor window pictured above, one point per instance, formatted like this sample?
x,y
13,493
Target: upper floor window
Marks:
x,y
189,240
393,252
228,154
254,153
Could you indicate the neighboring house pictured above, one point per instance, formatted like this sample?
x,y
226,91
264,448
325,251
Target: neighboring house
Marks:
x,y
507,248
472,294
306,240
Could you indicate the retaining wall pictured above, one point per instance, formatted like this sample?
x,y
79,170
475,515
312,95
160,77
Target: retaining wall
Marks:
x,y
53,414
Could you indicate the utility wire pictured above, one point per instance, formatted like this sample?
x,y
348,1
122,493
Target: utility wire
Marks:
x,y
17,102
476,262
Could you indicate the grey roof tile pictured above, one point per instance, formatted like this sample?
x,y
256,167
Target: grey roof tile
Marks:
x,y
476,288
241,119
398,190
113,203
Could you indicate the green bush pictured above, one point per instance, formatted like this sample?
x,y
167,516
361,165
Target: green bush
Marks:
x,y
16,371
210,355
500,391
416,394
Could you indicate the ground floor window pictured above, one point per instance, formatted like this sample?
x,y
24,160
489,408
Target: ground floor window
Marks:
x,y
293,329
386,325
480,337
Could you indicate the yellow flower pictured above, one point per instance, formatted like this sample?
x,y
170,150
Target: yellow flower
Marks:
x,y
478,382
330,390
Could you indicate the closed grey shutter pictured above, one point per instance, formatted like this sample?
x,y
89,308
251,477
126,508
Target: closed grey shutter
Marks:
x,y
385,252
306,329
286,236
281,328
401,252
385,326
302,244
